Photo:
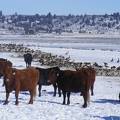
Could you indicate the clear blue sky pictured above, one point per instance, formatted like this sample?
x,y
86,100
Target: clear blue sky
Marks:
x,y
60,7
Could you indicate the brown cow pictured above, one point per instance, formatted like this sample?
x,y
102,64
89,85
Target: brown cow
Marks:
x,y
71,81
3,64
21,80
92,75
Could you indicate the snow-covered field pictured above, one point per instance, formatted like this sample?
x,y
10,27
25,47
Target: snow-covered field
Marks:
x,y
79,48
104,104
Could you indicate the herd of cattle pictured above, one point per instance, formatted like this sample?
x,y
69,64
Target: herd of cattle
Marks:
x,y
82,80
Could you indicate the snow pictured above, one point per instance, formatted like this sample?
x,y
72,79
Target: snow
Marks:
x,y
78,55
104,105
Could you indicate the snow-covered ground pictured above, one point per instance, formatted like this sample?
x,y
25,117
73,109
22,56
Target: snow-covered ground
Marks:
x,y
78,48
92,56
104,104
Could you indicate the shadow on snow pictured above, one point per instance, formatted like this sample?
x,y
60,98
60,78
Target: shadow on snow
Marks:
x,y
109,117
107,101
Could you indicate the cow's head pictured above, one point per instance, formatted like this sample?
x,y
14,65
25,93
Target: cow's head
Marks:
x,y
3,65
9,78
53,75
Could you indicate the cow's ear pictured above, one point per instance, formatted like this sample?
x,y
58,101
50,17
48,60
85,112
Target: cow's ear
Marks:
x,y
57,74
7,80
13,73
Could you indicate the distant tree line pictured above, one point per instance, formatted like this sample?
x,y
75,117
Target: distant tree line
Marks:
x,y
33,24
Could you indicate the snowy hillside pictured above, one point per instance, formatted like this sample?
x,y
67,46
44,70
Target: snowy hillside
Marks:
x,y
35,24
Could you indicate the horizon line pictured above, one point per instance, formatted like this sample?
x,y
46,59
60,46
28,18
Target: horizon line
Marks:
x,y
19,13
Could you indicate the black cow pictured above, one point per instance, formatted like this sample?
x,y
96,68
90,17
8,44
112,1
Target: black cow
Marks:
x,y
71,81
43,80
28,59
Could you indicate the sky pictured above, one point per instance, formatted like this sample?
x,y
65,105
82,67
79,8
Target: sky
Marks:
x,y
60,7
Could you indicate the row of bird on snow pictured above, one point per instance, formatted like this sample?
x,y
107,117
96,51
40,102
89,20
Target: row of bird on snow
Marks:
x,y
82,80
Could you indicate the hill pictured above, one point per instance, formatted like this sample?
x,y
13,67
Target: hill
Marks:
x,y
35,24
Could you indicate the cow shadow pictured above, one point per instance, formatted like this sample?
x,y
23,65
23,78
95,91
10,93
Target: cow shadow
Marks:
x,y
47,92
47,101
112,118
107,101
2,101
109,117
50,93
25,93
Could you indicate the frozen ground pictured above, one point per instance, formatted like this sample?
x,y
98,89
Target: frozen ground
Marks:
x,y
92,56
64,41
104,104
78,48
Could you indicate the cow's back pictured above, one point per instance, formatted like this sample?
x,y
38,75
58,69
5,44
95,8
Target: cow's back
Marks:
x,y
27,78
74,81
44,75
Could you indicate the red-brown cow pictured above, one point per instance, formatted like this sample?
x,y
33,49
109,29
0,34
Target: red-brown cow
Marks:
x,y
92,75
21,80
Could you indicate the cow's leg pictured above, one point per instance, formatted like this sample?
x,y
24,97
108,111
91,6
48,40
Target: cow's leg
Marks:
x,y
7,96
3,82
59,92
81,94
27,65
55,88
31,97
30,64
39,89
119,97
68,98
16,96
85,99
92,87
64,97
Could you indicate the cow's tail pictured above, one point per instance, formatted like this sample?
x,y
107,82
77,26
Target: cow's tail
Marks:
x,y
88,97
34,93
88,90
37,81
